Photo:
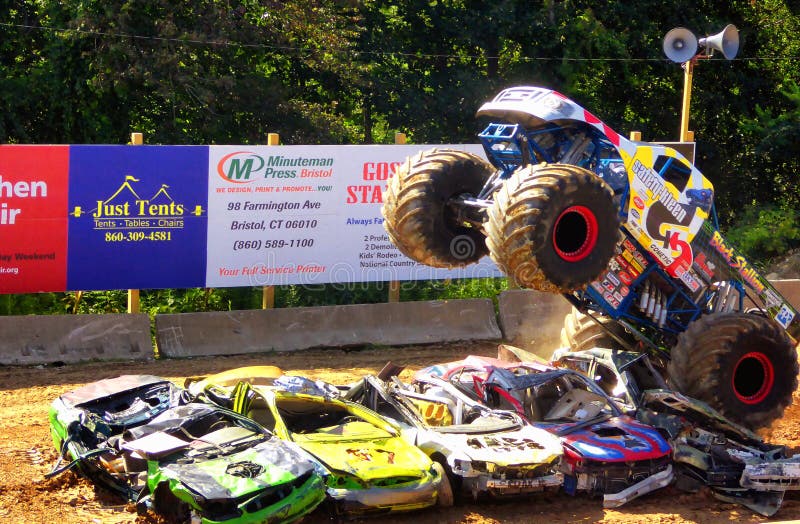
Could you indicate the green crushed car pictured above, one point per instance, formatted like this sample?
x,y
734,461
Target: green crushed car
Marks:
x,y
186,461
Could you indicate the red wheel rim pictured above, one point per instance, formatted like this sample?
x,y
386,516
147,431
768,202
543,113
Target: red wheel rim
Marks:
x,y
575,233
753,377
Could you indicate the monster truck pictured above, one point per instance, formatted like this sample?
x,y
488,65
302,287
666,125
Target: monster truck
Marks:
x,y
625,230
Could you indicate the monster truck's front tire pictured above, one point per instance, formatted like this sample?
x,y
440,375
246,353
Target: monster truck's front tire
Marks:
x,y
744,365
419,220
553,227
581,332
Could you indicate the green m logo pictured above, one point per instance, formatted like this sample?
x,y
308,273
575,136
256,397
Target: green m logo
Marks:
x,y
237,167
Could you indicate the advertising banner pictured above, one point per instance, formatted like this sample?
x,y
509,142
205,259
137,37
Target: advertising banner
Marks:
x,y
308,215
137,217
100,217
33,218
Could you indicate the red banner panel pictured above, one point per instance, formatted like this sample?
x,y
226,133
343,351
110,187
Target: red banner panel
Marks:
x,y
33,218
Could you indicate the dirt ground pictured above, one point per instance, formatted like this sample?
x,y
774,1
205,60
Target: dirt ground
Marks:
x,y
27,453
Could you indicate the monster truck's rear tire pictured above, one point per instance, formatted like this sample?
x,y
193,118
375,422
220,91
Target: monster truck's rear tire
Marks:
x,y
581,332
743,365
553,227
417,217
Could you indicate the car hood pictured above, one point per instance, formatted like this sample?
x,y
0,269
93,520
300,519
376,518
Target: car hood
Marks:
x,y
269,463
616,439
369,459
528,445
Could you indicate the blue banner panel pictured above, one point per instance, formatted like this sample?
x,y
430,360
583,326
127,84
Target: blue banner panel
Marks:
x,y
138,217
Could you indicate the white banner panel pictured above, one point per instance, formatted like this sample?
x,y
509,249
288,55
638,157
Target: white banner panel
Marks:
x,y
309,215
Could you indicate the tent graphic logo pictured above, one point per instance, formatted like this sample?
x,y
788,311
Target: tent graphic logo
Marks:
x,y
125,215
126,202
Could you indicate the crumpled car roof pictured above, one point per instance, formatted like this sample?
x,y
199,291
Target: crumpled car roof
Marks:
x,y
107,387
508,380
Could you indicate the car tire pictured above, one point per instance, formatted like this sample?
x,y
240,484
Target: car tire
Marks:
x,y
743,365
167,505
445,497
553,227
416,212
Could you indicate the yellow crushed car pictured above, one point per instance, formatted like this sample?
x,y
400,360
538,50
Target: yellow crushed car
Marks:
x,y
371,468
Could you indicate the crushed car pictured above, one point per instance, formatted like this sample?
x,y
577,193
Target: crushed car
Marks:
x,y
370,468
623,375
484,452
83,421
189,462
709,449
606,453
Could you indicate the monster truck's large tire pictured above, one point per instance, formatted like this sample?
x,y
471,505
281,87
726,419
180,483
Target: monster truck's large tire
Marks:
x,y
581,332
553,227
417,217
743,365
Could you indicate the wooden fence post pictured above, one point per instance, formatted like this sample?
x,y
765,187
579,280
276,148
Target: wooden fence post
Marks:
x,y
268,292
137,139
394,285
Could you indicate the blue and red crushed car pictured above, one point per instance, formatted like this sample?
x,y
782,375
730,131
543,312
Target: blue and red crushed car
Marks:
x,y
708,448
606,452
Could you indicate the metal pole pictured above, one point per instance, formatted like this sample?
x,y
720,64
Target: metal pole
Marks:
x,y
688,71
137,139
268,292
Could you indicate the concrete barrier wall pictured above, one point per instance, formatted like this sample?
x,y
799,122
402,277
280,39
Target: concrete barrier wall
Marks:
x,y
532,320
255,331
42,339
527,319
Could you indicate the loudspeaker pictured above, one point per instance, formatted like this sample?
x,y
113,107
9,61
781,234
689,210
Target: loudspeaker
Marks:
x,y
680,45
726,41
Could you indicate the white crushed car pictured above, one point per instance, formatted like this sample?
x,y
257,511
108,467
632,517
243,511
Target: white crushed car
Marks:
x,y
484,452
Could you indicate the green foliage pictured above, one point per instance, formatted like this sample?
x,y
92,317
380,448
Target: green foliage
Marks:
x,y
377,292
453,289
763,233
163,301
32,303
331,294
341,72
96,302
775,137
160,301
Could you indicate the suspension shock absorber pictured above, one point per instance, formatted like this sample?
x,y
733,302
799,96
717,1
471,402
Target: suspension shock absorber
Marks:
x,y
645,296
653,303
